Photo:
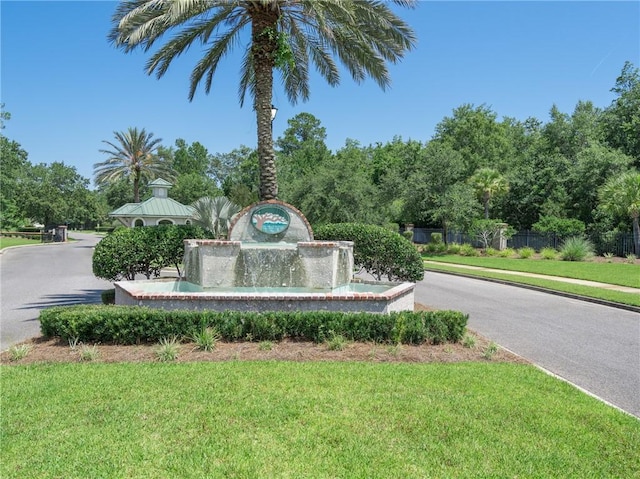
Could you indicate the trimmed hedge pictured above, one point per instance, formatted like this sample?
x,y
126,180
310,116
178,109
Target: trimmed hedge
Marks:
x,y
145,250
135,324
377,250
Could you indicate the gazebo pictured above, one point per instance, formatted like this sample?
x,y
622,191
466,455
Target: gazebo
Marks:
x,y
157,210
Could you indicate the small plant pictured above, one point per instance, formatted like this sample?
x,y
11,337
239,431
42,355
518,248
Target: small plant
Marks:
x,y
394,349
408,234
336,342
168,349
548,253
630,258
468,250
526,252
89,353
491,251
73,342
469,341
507,253
206,339
265,346
576,249
609,257
453,248
19,351
490,350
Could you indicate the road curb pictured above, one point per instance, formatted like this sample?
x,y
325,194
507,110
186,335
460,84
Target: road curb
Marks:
x,y
603,302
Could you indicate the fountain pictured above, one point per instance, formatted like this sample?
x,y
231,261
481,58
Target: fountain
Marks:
x,y
269,262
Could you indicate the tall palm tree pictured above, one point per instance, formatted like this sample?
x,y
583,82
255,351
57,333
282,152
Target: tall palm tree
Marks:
x,y
134,157
621,195
488,183
285,34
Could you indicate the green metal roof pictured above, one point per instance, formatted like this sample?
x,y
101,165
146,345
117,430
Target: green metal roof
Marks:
x,y
160,182
163,207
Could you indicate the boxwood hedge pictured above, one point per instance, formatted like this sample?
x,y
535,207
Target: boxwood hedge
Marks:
x,y
135,324
377,250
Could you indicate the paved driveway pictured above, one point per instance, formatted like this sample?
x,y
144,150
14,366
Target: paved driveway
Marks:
x,y
593,346
37,277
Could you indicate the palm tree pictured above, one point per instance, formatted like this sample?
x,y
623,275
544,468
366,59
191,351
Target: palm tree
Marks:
x,y
133,157
488,183
621,195
285,34
215,214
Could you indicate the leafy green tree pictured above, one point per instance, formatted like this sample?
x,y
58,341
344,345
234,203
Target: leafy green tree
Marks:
x,y
456,209
13,173
477,135
56,194
215,214
621,195
188,159
488,183
340,190
593,166
438,169
285,35
301,149
134,157
241,180
622,118
188,187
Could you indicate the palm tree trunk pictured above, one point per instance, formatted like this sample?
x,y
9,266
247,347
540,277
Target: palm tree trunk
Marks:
x,y
264,20
136,189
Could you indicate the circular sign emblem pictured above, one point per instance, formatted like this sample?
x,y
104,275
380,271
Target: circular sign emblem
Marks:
x,y
270,219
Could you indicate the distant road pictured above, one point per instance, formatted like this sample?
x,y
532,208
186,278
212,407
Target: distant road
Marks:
x,y
36,277
593,346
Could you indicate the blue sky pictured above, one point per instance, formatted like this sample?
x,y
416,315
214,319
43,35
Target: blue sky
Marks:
x,y
68,89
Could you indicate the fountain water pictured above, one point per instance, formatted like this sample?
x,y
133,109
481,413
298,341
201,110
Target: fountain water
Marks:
x,y
269,262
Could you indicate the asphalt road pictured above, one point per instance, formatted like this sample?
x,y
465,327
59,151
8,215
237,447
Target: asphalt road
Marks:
x,y
594,347
37,277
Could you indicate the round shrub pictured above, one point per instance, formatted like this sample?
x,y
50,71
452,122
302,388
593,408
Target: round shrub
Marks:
x,y
526,252
128,252
377,250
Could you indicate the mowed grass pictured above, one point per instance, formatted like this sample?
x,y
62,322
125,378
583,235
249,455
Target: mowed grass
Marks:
x,y
631,299
613,273
6,242
307,420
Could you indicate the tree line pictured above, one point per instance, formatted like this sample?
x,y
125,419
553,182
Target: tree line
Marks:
x,y
581,166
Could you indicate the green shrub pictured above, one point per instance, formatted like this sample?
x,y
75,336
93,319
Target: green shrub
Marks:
x,y
468,250
377,250
576,249
408,235
436,238
507,253
491,251
561,227
453,248
128,252
526,252
548,253
134,324
630,258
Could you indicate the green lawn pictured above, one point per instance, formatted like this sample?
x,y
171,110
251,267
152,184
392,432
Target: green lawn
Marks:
x,y
307,420
613,273
632,299
6,242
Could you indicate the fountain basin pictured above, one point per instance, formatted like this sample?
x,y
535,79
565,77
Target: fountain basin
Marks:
x,y
171,294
